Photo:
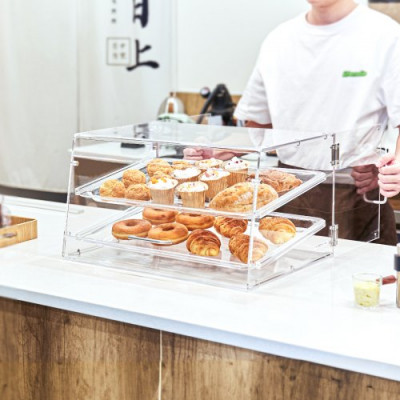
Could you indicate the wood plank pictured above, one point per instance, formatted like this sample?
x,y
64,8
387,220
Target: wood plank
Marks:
x,y
196,370
48,354
391,9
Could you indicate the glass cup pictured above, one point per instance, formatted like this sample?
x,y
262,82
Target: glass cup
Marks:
x,y
367,289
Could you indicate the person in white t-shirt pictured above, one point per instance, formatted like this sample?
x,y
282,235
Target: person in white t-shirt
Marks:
x,y
334,69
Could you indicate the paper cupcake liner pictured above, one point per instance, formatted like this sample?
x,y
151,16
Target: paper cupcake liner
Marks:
x,y
237,176
191,179
215,186
163,196
193,199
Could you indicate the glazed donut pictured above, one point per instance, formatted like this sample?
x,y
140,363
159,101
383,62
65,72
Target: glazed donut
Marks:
x,y
174,232
195,221
157,216
131,227
112,188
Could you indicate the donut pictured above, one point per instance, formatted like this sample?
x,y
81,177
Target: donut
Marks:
x,y
131,227
173,232
195,221
132,177
112,188
157,216
138,191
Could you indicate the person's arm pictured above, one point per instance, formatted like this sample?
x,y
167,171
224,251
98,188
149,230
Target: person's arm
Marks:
x,y
389,172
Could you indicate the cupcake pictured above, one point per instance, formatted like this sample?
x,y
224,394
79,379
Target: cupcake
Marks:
x,y
162,190
209,163
216,179
186,175
193,194
238,170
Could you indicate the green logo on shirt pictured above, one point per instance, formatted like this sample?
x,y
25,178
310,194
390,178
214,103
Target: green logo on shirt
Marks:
x,y
351,74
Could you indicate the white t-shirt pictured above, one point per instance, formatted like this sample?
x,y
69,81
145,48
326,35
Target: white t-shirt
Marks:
x,y
330,78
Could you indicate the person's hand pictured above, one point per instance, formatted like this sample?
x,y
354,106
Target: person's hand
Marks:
x,y
389,175
197,153
365,177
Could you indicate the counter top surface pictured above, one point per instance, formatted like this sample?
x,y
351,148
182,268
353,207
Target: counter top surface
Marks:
x,y
308,315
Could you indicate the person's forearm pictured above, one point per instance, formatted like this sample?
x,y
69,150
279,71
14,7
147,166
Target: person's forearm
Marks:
x,y
397,152
253,124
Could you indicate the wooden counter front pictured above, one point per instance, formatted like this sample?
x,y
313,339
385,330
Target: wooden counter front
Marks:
x,y
49,354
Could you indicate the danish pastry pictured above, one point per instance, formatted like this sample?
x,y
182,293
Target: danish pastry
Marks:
x,y
133,176
239,197
138,192
112,188
229,227
276,229
280,181
203,243
239,247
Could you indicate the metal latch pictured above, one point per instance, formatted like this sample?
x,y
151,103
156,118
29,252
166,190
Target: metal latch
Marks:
x,y
334,234
335,153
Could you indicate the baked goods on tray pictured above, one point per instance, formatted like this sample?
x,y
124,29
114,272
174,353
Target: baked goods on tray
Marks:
x,y
239,197
276,229
237,169
162,190
193,194
229,227
279,180
195,221
158,164
157,216
239,247
131,227
171,232
112,188
138,191
203,243
132,177
216,180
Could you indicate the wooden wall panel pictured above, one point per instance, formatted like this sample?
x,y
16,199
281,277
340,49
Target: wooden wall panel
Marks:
x,y
48,354
197,370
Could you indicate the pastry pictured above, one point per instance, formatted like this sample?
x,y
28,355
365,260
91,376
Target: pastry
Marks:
x,y
138,192
216,180
195,221
193,194
158,164
112,188
203,243
209,163
280,181
229,227
186,175
237,169
157,216
239,197
160,174
181,164
171,232
133,176
239,247
276,229
131,227
162,190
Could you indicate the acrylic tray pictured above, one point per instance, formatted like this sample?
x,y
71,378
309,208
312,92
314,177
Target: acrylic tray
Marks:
x,y
100,235
310,179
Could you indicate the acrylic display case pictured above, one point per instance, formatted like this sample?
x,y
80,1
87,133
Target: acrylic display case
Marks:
x,y
89,238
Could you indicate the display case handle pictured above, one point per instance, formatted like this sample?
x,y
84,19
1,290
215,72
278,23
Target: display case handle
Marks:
x,y
374,201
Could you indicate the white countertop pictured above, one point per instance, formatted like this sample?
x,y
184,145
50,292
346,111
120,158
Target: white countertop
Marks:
x,y
308,315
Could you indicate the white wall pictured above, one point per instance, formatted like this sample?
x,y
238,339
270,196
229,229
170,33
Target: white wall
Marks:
x,y
218,40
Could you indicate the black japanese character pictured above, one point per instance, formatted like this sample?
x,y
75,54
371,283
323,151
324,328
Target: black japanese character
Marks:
x,y
151,64
143,15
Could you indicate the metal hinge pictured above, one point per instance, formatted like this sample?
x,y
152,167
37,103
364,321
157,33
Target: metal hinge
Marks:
x,y
334,234
335,153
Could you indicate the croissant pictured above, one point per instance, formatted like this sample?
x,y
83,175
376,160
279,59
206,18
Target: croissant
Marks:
x,y
239,197
276,229
229,227
280,181
203,243
239,247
